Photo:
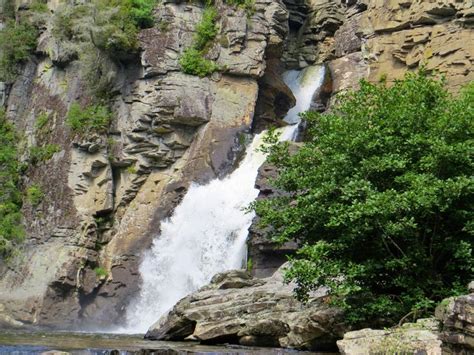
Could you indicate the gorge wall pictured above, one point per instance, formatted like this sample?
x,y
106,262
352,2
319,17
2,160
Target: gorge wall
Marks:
x,y
105,194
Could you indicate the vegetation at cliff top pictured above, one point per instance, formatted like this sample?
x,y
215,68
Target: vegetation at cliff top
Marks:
x,y
109,25
380,198
193,61
11,230
17,43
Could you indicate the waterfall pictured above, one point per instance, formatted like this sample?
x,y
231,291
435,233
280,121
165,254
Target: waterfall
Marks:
x,y
208,230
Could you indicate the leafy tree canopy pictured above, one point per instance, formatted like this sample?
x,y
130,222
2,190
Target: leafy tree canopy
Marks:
x,y
380,198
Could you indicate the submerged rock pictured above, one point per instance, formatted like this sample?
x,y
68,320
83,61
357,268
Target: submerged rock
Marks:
x,y
237,308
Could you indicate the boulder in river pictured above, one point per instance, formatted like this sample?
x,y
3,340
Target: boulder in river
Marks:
x,y
237,308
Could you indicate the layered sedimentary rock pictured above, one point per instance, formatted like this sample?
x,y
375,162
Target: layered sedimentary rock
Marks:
x,y
237,308
456,316
390,37
412,338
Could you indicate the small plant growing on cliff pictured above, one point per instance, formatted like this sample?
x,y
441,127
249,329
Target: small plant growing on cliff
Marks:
x,y
89,119
193,60
132,170
380,199
34,195
43,153
206,30
249,265
42,120
101,273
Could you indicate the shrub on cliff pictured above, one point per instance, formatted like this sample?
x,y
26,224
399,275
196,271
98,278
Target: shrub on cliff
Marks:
x,y
17,43
11,230
89,119
380,198
193,59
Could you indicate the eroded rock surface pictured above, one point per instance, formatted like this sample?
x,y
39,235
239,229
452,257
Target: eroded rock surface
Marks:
x,y
237,308
457,319
412,338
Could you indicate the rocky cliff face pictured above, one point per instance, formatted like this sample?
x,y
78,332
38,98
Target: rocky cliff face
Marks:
x,y
105,194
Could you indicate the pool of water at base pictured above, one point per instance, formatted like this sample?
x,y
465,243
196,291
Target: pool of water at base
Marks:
x,y
59,343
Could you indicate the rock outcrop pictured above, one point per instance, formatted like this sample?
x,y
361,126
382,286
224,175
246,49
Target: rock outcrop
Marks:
x,y
237,308
457,324
389,37
412,338
451,332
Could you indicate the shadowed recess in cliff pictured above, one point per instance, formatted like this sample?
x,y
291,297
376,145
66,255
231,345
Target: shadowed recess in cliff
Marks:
x,y
208,230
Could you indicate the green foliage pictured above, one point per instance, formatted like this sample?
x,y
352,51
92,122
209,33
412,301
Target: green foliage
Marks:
x,y
141,12
193,61
7,7
38,6
102,33
249,264
131,170
101,272
206,30
41,121
138,13
110,25
11,229
34,195
381,199
17,43
43,153
90,119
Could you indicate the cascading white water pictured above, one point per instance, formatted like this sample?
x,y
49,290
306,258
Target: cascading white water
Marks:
x,y
208,230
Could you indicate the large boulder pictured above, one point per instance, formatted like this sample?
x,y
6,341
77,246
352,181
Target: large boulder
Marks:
x,y
237,308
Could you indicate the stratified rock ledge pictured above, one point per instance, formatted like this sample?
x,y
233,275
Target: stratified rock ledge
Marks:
x,y
237,308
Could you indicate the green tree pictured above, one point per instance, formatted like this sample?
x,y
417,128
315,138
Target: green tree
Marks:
x,y
380,198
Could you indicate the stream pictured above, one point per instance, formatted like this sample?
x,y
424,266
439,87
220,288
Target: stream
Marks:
x,y
27,343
